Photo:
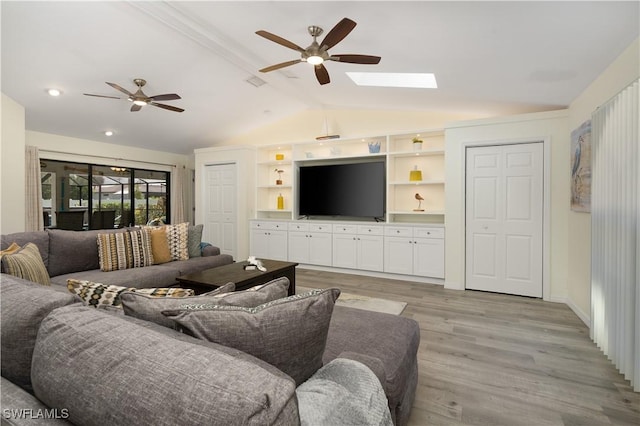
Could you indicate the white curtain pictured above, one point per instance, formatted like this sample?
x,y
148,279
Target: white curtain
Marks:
x,y
615,231
34,220
180,188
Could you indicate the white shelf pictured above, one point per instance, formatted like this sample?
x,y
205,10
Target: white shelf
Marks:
x,y
275,186
424,152
418,182
425,213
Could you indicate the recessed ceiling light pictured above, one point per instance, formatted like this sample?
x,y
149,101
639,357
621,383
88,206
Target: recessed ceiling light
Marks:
x,y
390,79
54,92
108,133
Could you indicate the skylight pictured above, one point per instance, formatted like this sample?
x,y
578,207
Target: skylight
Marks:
x,y
390,79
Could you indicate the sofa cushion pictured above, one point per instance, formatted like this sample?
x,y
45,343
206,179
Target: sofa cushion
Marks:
x,y
197,264
145,307
150,276
178,236
26,263
74,251
106,370
19,407
23,305
194,240
39,238
288,333
160,246
95,294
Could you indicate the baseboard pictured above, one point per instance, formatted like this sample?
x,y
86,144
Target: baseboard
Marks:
x,y
584,317
386,275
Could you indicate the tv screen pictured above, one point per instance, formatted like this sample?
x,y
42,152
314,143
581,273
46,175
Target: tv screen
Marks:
x,y
356,189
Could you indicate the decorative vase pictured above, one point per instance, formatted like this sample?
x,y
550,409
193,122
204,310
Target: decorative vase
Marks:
x,y
374,147
280,202
417,146
415,174
279,157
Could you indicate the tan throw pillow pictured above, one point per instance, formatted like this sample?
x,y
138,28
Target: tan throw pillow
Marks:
x,y
289,333
97,294
178,237
26,263
160,246
14,247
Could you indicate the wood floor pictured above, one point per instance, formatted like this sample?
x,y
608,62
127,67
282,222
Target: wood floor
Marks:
x,y
492,359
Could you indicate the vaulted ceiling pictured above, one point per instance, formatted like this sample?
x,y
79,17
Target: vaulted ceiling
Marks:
x,y
489,58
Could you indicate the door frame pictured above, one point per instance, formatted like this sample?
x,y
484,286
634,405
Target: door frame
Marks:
x,y
546,211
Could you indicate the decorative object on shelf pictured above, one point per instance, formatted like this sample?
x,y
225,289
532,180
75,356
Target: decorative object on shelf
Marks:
x,y
417,143
335,150
279,157
280,202
374,147
420,200
279,180
415,174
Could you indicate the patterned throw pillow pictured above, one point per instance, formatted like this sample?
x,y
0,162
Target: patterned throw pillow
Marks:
x,y
289,333
141,252
254,296
114,251
96,294
26,262
178,237
160,246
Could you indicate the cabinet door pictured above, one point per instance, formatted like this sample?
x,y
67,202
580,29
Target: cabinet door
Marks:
x,y
320,248
278,245
298,247
398,255
345,251
259,243
370,252
429,257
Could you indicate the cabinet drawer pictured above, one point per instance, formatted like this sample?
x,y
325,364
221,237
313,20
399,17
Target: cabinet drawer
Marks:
x,y
345,229
320,227
370,230
269,225
398,231
429,233
298,226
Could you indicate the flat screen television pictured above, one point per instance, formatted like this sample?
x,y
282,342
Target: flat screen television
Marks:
x,y
353,189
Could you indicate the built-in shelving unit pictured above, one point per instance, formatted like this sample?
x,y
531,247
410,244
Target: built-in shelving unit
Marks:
x,y
397,150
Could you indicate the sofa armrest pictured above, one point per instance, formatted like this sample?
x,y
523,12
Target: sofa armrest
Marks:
x,y
373,363
210,250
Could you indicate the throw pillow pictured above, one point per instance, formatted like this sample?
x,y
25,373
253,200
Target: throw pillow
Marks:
x,y
160,246
14,247
114,251
26,263
289,333
148,308
178,236
141,252
95,294
194,240
254,296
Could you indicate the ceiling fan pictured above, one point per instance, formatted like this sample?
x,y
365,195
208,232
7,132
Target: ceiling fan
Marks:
x,y
139,99
317,53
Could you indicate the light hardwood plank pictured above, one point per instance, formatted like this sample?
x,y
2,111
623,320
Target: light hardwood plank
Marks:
x,y
494,359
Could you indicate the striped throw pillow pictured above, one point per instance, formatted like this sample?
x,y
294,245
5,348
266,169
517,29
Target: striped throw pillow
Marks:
x,y
26,263
115,251
141,251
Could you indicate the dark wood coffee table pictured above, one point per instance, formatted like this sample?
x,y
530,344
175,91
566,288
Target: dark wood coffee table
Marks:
x,y
210,279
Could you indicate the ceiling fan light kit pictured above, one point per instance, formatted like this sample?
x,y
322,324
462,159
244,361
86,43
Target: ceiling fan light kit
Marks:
x,y
318,53
139,99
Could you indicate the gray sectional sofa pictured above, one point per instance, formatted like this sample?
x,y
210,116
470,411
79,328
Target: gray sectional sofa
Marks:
x,y
74,254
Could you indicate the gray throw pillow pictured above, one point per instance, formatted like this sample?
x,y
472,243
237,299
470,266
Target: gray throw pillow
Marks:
x,y
289,333
149,308
194,239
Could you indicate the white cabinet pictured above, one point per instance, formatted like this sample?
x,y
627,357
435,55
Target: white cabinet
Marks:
x,y
310,243
358,247
414,251
269,240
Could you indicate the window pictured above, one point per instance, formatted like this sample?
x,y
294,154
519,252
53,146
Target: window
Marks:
x,y
109,196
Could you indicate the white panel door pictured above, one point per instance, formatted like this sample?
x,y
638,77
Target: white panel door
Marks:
x,y
221,214
504,211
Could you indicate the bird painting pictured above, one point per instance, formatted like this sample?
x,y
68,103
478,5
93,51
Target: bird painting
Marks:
x,y
420,200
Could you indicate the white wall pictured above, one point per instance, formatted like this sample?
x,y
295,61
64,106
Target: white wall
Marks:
x,y
12,173
624,70
551,126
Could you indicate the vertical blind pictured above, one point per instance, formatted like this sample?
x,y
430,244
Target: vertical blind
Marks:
x,y
615,230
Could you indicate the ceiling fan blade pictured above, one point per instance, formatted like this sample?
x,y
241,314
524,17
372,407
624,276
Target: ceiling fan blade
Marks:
x,y
281,65
115,86
167,97
356,59
279,40
136,107
101,96
322,74
169,107
337,33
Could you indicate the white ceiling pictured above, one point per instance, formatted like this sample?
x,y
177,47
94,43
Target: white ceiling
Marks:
x,y
489,58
